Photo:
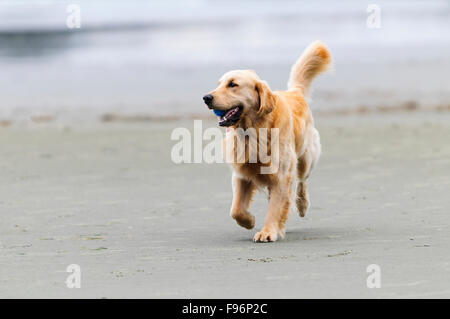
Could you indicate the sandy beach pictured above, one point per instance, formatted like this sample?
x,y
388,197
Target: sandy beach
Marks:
x,y
108,198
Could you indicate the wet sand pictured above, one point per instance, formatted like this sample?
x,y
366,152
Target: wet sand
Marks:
x,y
108,198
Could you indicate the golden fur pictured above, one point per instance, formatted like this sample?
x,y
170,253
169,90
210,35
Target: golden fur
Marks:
x,y
299,142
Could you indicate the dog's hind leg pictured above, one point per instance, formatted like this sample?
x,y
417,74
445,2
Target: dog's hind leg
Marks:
x,y
243,191
302,197
305,165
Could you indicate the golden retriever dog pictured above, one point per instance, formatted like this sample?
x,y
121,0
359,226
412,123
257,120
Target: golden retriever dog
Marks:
x,y
244,101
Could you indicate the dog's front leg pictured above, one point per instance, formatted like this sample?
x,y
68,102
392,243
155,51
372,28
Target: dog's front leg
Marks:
x,y
243,191
279,203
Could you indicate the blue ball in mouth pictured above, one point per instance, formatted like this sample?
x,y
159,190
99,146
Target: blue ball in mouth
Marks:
x,y
219,112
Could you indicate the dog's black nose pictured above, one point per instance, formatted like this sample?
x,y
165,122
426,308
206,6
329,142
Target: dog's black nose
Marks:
x,y
208,98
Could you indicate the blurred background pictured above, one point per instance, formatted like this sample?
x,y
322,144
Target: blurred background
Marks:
x,y
158,58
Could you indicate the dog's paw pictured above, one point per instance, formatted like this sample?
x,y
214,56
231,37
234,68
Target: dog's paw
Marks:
x,y
245,220
265,236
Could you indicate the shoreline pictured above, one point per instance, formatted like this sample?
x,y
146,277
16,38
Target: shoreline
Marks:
x,y
52,118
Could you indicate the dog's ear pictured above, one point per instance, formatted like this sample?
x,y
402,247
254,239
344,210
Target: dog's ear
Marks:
x,y
266,98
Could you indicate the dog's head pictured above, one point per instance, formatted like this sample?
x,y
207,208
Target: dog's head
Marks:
x,y
240,94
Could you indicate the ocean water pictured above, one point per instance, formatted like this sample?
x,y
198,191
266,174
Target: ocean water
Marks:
x,y
160,57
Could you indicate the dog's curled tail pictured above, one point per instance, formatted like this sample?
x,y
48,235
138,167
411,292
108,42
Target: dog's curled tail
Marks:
x,y
315,59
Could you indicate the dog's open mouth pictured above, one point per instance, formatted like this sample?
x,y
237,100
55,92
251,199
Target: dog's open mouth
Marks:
x,y
231,116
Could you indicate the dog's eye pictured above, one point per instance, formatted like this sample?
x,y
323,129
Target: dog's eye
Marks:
x,y
232,84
